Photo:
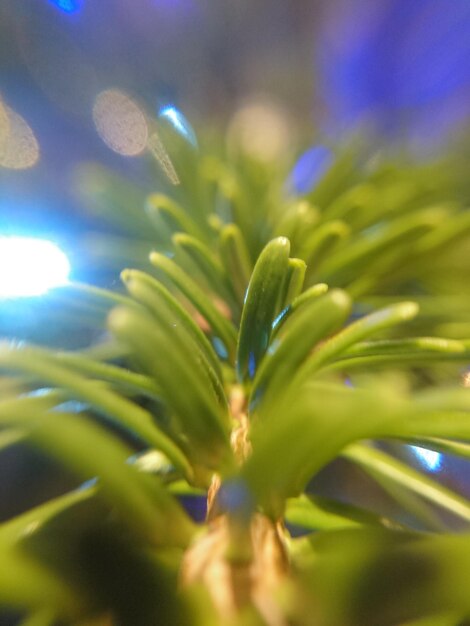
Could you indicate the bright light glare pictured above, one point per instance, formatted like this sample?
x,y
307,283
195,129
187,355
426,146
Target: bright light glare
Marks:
x,y
430,458
30,267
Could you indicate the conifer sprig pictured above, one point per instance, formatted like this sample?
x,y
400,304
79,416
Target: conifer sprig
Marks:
x,y
223,373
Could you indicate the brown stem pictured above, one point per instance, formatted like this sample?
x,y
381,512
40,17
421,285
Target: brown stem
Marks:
x,y
240,563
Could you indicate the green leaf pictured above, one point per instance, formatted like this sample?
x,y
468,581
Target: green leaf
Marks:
x,y
26,584
200,257
293,284
350,259
104,298
310,425
317,513
311,322
164,211
446,446
383,577
438,423
437,242
339,175
120,377
355,332
306,429
453,618
220,326
261,306
10,438
47,368
235,258
40,618
417,510
196,355
353,204
154,296
321,242
377,463
312,292
108,350
297,222
142,501
87,542
441,413
420,350
180,374
18,531
15,410
447,234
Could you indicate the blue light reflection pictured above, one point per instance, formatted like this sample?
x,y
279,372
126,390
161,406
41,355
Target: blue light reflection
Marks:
x,y
251,365
309,169
220,348
431,459
179,123
236,499
68,6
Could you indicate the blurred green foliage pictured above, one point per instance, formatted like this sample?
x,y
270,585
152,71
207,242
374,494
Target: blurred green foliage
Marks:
x,y
223,357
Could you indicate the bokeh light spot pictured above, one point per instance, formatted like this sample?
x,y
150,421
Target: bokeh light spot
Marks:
x,y
19,148
120,122
4,125
68,6
30,267
262,129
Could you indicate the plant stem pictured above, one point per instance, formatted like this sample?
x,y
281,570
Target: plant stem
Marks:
x,y
242,560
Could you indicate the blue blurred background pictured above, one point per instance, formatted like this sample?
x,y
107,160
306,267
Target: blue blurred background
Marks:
x,y
399,67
